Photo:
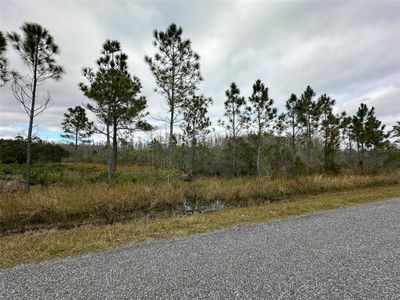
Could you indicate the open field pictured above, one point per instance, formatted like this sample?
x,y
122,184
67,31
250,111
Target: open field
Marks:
x,y
43,245
79,195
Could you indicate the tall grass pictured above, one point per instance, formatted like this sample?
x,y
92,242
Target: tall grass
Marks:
x,y
99,203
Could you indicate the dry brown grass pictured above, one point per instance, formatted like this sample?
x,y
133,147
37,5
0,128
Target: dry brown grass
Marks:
x,y
100,203
37,246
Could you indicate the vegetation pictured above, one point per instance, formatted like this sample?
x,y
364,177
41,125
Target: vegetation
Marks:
x,y
14,151
115,98
196,123
262,114
37,49
396,133
76,195
306,139
176,69
367,131
76,126
236,119
42,245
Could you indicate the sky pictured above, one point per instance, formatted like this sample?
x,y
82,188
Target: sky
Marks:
x,y
349,50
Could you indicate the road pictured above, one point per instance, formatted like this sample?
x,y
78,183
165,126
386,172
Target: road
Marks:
x,y
349,253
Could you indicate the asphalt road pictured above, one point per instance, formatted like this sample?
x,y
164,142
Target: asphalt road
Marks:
x,y
343,254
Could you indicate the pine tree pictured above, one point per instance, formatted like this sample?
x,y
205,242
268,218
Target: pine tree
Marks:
x,y
196,122
367,131
37,49
76,126
262,113
330,128
176,69
236,118
290,121
308,116
116,99
346,133
375,131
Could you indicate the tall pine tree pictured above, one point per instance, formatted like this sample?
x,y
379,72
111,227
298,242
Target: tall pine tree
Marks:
x,y
308,116
262,113
196,123
37,49
176,69
289,121
236,119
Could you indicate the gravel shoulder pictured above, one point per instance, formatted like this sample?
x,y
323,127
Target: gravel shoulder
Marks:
x,y
351,253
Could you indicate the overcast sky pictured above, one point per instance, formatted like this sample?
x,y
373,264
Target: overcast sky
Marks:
x,y
348,50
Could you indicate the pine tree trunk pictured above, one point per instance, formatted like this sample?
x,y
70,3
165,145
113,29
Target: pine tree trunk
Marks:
x,y
259,146
358,152
293,139
234,142
172,108
259,160
234,158
193,158
326,151
114,148
109,152
362,159
308,141
350,150
27,183
171,140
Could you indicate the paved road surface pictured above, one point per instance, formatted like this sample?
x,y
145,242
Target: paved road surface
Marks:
x,y
344,254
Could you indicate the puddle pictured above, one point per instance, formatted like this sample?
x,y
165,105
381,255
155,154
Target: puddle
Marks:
x,y
190,208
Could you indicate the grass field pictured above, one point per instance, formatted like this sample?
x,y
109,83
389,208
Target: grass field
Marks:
x,y
78,195
42,245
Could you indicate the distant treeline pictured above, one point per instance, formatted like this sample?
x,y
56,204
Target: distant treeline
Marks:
x,y
14,151
213,156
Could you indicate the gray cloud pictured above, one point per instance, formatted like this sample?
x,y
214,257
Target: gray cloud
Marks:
x,y
348,50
